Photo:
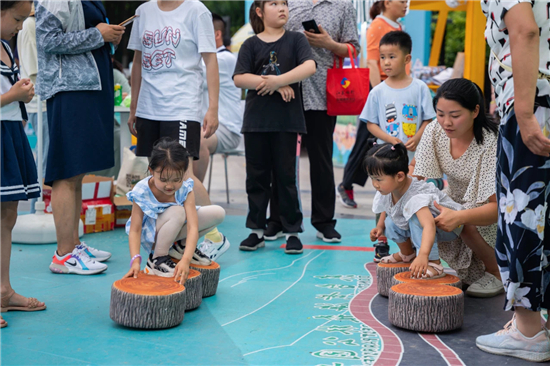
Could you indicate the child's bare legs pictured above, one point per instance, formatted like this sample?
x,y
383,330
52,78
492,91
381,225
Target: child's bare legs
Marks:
x,y
8,219
473,239
401,236
406,248
171,225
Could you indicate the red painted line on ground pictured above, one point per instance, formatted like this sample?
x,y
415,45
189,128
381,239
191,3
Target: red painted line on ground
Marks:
x,y
359,307
445,351
335,247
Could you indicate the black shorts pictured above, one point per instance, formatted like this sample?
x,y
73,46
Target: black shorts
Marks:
x,y
187,133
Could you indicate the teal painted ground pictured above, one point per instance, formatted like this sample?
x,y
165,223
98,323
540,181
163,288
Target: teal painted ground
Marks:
x,y
271,308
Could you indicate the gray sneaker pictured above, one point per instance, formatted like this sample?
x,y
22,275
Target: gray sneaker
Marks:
x,y
511,342
486,286
345,196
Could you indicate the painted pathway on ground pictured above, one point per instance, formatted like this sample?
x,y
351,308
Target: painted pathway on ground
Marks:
x,y
319,308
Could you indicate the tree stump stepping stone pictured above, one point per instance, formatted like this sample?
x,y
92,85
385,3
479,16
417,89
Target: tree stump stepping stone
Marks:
x,y
448,280
147,302
385,273
194,289
210,278
426,308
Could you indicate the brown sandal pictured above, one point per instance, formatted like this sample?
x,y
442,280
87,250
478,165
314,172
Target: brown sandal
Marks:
x,y
32,306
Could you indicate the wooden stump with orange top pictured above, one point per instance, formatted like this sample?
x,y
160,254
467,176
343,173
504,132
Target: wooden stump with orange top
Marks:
x,y
147,302
422,307
385,273
194,289
210,278
449,280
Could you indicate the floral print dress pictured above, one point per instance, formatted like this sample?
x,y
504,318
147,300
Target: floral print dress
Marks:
x,y
523,179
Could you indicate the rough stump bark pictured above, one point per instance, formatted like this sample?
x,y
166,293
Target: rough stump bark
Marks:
x,y
426,308
385,273
210,278
147,302
194,289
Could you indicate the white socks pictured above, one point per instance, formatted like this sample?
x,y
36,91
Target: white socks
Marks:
x,y
259,233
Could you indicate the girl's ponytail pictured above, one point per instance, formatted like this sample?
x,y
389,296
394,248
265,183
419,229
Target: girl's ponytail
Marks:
x,y
401,152
376,9
256,22
387,159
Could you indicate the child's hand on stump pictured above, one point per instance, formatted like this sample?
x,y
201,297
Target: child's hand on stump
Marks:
x,y
419,266
134,270
182,271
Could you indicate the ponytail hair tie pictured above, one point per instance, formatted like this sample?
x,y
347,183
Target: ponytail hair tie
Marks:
x,y
374,143
393,147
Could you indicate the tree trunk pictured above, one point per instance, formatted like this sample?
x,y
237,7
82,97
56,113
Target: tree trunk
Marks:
x,y
385,273
147,302
449,280
210,278
426,308
194,289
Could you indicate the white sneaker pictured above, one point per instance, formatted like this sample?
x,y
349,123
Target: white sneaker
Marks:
x,y
212,249
160,266
77,263
511,342
93,253
177,250
486,286
200,258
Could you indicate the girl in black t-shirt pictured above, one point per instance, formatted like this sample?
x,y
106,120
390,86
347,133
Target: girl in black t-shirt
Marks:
x,y
271,65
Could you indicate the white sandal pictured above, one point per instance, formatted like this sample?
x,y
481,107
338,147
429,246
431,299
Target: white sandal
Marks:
x,y
404,258
433,275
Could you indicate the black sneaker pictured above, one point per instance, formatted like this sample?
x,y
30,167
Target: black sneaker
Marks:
x,y
294,245
274,231
329,235
160,266
177,250
382,249
252,243
200,258
345,198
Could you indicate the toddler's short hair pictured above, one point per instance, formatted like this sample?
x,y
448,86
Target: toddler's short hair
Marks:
x,y
398,38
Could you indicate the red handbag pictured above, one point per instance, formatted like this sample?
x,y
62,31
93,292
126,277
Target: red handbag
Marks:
x,y
347,89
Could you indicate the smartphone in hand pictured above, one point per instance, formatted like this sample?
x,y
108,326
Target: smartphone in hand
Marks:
x,y
129,20
311,26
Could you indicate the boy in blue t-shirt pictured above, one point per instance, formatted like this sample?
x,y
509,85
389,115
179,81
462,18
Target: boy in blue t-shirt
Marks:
x,y
398,109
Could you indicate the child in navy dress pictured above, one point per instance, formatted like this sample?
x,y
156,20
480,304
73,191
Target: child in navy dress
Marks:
x,y
19,177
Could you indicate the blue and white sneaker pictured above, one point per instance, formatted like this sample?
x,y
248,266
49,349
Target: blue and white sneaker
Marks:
x,y
93,253
77,263
511,342
212,249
